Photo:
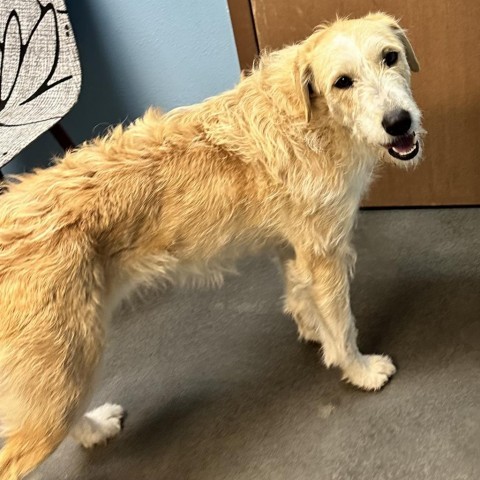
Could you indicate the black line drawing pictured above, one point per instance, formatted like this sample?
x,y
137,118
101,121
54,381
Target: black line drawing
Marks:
x,y
18,87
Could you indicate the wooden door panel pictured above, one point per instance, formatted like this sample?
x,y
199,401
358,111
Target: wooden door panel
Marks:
x,y
446,38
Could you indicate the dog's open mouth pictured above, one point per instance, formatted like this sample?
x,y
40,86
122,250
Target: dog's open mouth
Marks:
x,y
405,147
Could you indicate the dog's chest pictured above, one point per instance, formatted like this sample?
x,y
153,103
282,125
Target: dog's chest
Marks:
x,y
359,176
358,184
335,208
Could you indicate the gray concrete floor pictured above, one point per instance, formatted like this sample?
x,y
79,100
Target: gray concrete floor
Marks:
x,y
217,386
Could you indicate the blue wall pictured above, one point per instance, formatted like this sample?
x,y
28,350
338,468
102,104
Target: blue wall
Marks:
x,y
140,53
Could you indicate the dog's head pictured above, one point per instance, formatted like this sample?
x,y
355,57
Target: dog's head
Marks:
x,y
361,70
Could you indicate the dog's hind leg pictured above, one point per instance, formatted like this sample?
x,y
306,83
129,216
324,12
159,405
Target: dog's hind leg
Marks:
x,y
318,299
26,449
34,425
45,386
99,425
33,436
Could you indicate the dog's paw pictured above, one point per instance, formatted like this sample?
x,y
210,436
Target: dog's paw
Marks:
x,y
370,372
100,425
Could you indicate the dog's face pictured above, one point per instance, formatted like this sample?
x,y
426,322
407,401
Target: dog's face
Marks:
x,y
361,69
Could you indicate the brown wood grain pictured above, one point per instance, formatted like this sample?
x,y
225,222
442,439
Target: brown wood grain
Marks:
x,y
446,38
244,31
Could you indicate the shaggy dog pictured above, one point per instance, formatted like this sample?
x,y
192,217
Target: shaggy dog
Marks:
x,y
281,160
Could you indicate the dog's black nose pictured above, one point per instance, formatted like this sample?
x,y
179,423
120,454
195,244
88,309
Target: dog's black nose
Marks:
x,y
397,122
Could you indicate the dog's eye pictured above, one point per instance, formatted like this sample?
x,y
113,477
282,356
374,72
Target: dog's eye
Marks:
x,y
343,82
390,59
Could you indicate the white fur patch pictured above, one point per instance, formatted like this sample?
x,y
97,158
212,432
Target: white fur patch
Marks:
x,y
99,425
370,372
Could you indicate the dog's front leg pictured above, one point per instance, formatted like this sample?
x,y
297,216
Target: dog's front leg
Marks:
x,y
318,297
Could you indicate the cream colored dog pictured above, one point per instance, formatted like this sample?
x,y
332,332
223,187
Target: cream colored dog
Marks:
x,y
281,160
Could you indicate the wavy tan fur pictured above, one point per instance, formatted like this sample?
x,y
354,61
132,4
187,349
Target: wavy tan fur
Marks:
x,y
281,160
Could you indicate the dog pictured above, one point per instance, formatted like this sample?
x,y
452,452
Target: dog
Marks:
x,y
281,160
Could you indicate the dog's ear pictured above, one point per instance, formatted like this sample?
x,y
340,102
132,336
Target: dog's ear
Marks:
x,y
400,32
411,57
305,88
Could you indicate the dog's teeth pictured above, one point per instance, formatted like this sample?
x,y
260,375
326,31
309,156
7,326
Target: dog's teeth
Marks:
x,y
404,153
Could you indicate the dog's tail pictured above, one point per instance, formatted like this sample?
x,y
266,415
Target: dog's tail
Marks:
x,y
23,451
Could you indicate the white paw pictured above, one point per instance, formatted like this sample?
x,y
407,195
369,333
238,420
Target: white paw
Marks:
x,y
99,425
370,372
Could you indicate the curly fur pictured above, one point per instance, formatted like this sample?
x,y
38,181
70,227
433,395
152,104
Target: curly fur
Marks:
x,y
281,160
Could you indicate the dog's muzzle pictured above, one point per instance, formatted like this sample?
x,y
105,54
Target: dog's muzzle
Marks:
x,y
397,123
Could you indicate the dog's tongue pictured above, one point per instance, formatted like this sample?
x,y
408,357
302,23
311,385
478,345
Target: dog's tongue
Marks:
x,y
403,144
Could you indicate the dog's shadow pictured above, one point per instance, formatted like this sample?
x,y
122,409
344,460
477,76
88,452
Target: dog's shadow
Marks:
x,y
203,394
424,323
419,301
